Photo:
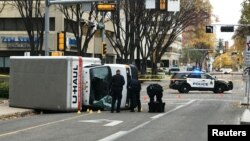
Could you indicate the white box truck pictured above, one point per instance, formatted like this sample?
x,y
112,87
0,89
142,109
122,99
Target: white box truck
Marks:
x,y
64,83
48,83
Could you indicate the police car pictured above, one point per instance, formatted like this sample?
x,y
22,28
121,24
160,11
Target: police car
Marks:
x,y
196,80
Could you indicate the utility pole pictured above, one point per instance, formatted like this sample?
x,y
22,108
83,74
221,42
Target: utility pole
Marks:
x,y
46,37
103,36
46,17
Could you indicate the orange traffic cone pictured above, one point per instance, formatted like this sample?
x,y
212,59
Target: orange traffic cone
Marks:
x,y
221,94
178,96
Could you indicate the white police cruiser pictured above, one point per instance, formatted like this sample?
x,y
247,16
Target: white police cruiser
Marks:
x,y
196,80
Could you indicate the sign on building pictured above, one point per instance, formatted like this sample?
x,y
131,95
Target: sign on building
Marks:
x,y
150,4
173,5
247,52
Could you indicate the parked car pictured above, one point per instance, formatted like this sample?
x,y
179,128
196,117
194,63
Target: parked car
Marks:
x,y
173,70
226,70
196,80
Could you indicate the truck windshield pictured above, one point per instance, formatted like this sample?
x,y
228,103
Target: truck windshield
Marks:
x,y
100,82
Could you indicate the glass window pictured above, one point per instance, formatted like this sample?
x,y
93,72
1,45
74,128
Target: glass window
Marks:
x,y
100,83
70,25
206,76
52,24
1,62
195,75
10,25
17,24
7,62
20,26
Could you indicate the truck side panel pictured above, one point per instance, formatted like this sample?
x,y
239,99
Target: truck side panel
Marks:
x,y
40,84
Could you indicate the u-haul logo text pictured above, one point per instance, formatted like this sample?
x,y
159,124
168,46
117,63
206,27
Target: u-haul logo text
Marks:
x,y
74,85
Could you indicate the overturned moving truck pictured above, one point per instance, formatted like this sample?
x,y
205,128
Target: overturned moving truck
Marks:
x,y
65,83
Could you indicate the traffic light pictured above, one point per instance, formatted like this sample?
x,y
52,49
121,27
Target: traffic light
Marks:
x,y
106,7
227,28
104,48
61,41
209,29
162,4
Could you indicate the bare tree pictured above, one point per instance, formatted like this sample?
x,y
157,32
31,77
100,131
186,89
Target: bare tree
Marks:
x,y
151,32
75,13
2,5
33,19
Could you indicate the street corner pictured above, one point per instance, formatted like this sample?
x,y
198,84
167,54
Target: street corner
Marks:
x,y
11,112
4,101
245,118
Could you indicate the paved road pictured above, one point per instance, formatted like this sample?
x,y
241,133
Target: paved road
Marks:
x,y
186,117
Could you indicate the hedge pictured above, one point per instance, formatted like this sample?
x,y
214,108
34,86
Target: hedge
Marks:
x,y
4,90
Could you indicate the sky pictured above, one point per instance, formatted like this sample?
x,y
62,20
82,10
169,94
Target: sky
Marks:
x,y
229,12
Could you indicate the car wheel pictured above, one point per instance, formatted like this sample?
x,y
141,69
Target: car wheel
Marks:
x,y
184,88
219,89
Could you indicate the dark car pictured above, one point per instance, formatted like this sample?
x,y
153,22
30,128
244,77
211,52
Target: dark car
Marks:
x,y
174,70
186,81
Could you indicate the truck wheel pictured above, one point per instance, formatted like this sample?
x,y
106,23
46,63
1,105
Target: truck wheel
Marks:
x,y
184,88
219,89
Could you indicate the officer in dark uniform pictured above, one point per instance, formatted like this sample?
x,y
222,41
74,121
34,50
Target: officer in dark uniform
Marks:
x,y
134,88
117,83
155,90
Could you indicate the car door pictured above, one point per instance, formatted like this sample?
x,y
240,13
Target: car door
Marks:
x,y
208,81
194,80
200,81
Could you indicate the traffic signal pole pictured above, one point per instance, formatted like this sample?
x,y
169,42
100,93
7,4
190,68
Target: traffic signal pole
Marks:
x,y
46,37
103,36
46,17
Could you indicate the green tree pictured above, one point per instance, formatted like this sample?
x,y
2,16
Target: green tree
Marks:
x,y
223,61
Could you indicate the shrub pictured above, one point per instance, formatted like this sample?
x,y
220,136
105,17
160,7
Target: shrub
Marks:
x,y
4,90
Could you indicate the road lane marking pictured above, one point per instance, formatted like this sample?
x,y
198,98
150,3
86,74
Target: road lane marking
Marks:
x,y
197,99
119,134
157,116
41,125
114,136
111,122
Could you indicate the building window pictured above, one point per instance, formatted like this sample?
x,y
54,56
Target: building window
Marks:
x,y
70,25
4,62
17,24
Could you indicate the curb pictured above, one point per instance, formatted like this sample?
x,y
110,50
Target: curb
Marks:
x,y
244,101
245,118
16,115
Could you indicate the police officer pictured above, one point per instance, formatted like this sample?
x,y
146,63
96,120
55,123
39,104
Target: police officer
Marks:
x,y
155,90
134,88
117,83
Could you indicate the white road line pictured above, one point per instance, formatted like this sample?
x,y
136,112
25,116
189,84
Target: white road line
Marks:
x,y
212,99
41,125
122,133
113,123
114,136
158,116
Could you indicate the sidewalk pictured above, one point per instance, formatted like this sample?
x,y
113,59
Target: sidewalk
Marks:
x,y
7,112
